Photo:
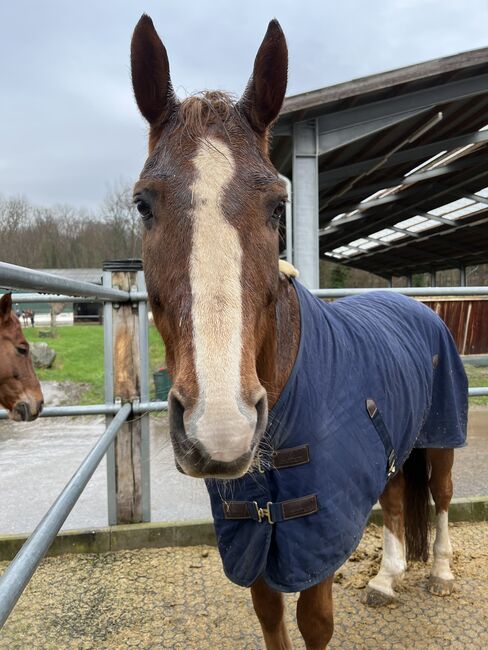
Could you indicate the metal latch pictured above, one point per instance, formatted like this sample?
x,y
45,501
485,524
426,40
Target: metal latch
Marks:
x,y
264,513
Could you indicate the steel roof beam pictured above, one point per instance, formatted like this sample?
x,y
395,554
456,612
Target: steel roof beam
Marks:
x,y
405,181
331,140
420,99
434,217
333,176
426,237
468,195
404,210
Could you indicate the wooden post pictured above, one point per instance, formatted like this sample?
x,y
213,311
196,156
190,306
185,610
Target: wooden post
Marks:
x,y
125,463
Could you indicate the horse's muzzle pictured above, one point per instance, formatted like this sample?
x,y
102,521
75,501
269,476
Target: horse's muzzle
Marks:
x,y
24,412
194,460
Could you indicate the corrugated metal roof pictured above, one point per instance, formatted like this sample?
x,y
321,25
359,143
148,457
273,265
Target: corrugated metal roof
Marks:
x,y
428,149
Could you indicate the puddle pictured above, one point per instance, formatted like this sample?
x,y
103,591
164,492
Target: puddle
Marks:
x,y
37,459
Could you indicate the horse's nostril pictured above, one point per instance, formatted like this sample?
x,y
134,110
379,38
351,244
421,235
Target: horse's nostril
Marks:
x,y
22,409
40,406
262,411
176,411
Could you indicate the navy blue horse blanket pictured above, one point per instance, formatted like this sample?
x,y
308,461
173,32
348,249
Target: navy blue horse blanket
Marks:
x,y
375,376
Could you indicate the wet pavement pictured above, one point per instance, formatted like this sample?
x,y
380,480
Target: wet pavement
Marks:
x,y
179,598
37,460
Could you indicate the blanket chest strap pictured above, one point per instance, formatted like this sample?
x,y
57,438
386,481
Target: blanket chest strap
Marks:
x,y
380,426
291,457
272,512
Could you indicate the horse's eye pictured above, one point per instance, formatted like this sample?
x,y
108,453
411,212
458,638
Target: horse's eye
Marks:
x,y
23,351
144,209
279,211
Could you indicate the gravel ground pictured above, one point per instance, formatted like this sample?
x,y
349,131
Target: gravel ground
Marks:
x,y
179,598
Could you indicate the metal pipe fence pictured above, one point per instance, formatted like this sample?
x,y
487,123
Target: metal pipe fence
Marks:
x,y
22,567
119,418
406,291
20,277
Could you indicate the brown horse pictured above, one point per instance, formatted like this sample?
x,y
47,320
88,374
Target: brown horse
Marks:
x,y
211,203
20,392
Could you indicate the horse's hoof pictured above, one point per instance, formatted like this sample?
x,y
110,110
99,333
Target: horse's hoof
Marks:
x,y
374,598
440,587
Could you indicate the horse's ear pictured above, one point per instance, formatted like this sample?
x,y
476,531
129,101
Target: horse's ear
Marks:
x,y
150,73
5,307
266,89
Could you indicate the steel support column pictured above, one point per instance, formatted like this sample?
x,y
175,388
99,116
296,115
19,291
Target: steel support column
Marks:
x,y
462,275
305,202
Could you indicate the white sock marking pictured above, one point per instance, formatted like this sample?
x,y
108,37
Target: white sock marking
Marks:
x,y
393,564
442,549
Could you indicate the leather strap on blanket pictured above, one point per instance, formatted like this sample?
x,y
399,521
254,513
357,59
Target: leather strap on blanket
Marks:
x,y
273,512
291,457
283,458
380,426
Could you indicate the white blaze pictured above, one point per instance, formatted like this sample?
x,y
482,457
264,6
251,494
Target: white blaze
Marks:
x,y
220,421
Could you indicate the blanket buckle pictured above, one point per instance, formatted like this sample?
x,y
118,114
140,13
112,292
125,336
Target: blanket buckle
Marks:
x,y
264,513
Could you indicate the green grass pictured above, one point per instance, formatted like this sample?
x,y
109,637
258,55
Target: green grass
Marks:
x,y
79,357
478,376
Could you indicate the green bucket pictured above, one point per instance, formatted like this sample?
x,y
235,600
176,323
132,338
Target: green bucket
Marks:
x,y
162,383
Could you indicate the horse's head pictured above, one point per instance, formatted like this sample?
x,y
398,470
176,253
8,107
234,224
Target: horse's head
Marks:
x,y
211,202
20,392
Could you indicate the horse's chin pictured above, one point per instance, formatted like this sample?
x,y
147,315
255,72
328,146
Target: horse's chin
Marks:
x,y
13,415
215,470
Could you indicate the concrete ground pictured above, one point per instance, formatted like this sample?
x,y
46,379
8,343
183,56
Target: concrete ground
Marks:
x,y
37,459
179,598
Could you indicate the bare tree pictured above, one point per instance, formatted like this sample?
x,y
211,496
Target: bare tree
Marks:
x,y
123,220
65,237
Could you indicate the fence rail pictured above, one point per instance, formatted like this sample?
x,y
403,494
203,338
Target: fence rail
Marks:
x,y
126,409
22,567
20,277
406,291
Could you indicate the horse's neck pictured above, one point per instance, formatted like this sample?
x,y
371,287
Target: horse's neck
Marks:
x,y
282,338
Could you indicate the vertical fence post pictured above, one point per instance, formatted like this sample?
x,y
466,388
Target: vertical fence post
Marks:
x,y
145,397
125,462
109,397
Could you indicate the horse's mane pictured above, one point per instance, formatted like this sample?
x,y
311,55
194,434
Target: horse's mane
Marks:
x,y
197,112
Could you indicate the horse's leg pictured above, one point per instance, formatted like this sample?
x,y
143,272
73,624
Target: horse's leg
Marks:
x,y
269,606
380,589
315,616
441,581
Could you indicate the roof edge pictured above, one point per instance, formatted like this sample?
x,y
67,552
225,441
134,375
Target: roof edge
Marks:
x,y
371,83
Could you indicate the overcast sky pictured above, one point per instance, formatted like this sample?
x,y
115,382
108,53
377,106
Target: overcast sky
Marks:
x,y
69,127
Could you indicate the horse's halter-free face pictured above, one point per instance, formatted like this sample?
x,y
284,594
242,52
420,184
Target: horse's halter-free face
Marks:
x,y
20,392
211,202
